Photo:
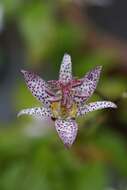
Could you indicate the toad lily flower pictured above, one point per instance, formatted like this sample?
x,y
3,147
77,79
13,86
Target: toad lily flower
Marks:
x,y
64,99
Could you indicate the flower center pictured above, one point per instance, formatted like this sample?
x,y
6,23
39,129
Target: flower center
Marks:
x,y
64,101
60,111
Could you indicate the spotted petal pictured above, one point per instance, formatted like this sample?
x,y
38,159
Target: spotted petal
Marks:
x,y
38,87
95,106
89,83
36,112
67,131
65,74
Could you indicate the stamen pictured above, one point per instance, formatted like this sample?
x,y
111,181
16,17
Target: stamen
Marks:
x,y
61,111
55,108
73,111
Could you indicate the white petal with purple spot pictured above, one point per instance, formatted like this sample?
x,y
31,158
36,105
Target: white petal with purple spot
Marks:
x,y
37,112
86,89
38,87
65,74
95,106
67,131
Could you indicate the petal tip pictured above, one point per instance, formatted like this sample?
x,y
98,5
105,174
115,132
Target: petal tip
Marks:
x,y
99,67
19,114
67,145
23,71
66,54
66,58
114,105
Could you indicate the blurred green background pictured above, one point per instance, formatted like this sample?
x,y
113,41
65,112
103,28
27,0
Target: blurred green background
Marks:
x,y
34,35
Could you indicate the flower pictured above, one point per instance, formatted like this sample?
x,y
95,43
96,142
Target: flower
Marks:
x,y
64,99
